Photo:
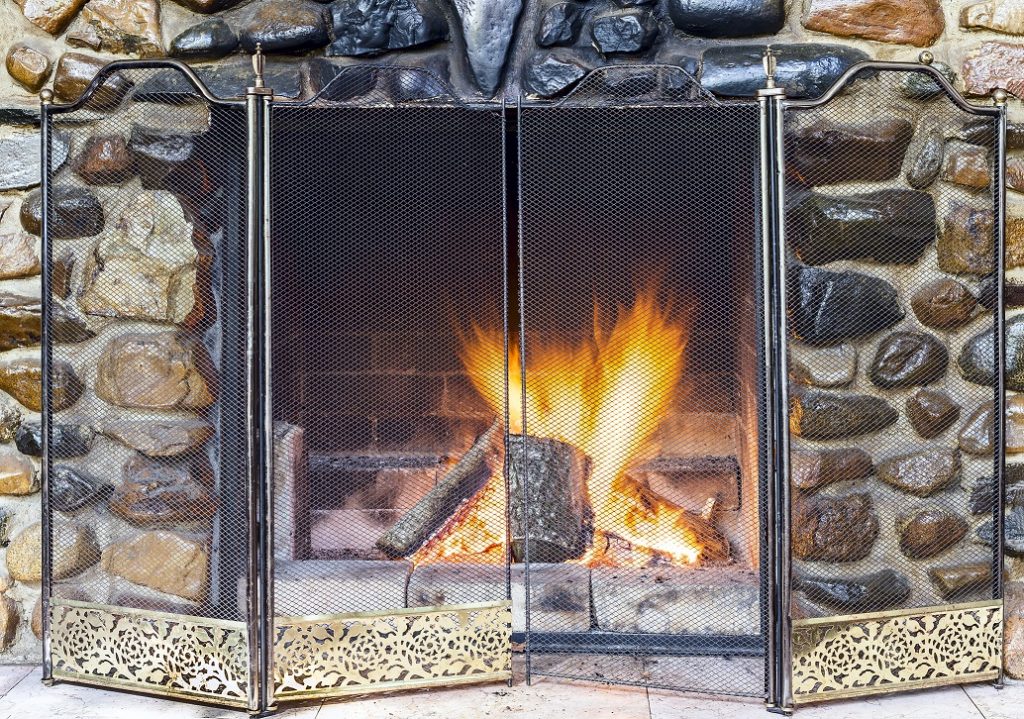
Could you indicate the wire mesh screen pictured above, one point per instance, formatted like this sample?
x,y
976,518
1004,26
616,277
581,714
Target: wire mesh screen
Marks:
x,y
890,230
389,370
147,461
634,467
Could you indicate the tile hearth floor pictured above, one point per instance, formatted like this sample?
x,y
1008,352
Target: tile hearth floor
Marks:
x,y
23,696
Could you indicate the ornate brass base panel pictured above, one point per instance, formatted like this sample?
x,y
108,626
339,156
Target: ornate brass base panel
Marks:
x,y
342,654
151,652
836,657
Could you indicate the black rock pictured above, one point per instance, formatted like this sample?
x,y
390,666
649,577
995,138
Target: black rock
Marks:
x,y
337,83
548,75
982,131
160,148
634,3
977,358
907,359
228,78
927,162
886,589
1013,532
74,212
827,415
804,70
410,84
731,18
922,86
826,152
560,24
285,26
892,226
209,40
828,307
72,489
487,29
983,496
369,27
623,32
66,440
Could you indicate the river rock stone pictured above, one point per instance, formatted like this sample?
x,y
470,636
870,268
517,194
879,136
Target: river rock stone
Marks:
x,y
161,560
124,27
17,474
875,592
74,73
208,6
10,420
105,160
827,152
146,267
22,379
75,212
826,367
978,433
66,440
929,531
921,85
829,415
829,307
72,489
931,412
966,242
21,323
158,370
943,304
955,583
813,469
18,257
62,273
1013,532
906,359
50,15
37,619
73,549
923,473
736,18
548,75
927,161
157,493
27,66
369,27
19,158
805,70
910,22
994,65
623,32
834,529
966,164
977,358
285,26
488,27
160,437
560,24
1015,174
211,39
1006,16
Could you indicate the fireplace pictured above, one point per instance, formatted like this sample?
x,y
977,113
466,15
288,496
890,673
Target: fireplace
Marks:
x,y
649,386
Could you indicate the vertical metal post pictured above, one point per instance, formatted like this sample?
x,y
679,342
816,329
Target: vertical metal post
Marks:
x,y
45,101
527,649
999,346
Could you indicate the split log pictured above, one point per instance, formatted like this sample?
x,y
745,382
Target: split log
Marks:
x,y
437,506
548,495
715,547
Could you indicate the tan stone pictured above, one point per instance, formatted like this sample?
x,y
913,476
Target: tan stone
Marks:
x,y
125,27
50,15
73,547
17,473
22,379
9,619
966,164
18,256
159,370
1000,15
1015,173
161,560
1013,654
913,22
1014,242
27,66
160,438
37,619
994,65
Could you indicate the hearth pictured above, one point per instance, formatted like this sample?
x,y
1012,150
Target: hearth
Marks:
x,y
654,387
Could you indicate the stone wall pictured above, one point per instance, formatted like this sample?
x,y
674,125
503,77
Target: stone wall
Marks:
x,y
484,49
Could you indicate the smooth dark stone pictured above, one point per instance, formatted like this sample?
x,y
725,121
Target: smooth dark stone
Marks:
x,y
66,440
560,24
966,244
547,75
923,473
983,496
805,71
334,82
209,40
927,161
105,160
488,27
623,32
71,489
943,304
228,78
958,582
285,26
886,589
834,529
1013,293
977,434
906,359
810,470
162,148
829,307
929,531
728,18
370,27
76,71
423,82
982,131
977,358
826,152
159,492
922,86
827,415
931,412
892,226
74,212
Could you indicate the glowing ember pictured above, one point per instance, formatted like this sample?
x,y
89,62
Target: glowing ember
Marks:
x,y
607,397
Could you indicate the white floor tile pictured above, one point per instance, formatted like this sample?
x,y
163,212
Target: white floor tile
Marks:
x,y
673,705
945,703
1005,703
11,675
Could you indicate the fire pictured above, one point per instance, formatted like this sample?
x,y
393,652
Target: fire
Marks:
x,y
606,396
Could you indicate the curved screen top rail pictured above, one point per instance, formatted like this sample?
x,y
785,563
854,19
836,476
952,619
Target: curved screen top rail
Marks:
x,y
378,85
887,66
635,85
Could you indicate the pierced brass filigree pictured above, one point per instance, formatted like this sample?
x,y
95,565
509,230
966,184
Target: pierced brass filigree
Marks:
x,y
149,652
836,657
359,653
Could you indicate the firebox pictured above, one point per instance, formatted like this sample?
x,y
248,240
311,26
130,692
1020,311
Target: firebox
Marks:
x,y
642,385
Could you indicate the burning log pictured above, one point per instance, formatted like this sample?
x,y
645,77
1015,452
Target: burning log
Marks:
x,y
437,506
548,495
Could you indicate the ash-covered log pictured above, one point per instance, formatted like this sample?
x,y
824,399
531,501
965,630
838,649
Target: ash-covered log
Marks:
x,y
547,484
437,506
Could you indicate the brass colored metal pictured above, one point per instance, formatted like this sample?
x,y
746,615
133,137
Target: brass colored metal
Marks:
x,y
881,652
340,654
151,652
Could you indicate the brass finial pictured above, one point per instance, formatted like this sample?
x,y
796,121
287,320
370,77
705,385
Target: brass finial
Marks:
x,y
257,64
769,66
926,57
999,96
46,96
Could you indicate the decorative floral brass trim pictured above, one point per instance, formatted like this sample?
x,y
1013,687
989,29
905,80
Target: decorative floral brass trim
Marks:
x,y
150,652
836,657
340,654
